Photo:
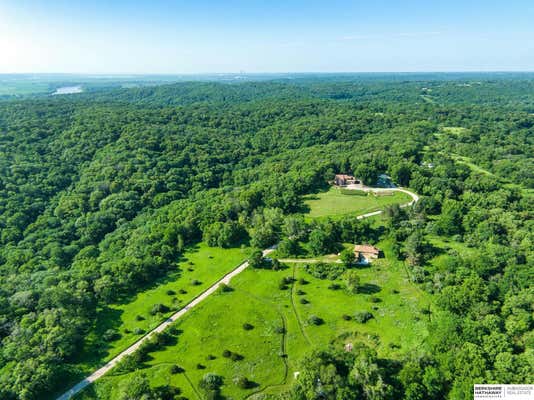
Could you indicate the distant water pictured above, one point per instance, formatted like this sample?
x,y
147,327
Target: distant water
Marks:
x,y
68,90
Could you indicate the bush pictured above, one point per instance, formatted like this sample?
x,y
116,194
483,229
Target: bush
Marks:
x,y
280,330
363,317
195,282
173,330
159,308
210,357
301,292
200,366
303,281
182,291
224,288
226,353
170,292
242,382
247,326
334,286
346,317
282,286
175,369
374,299
304,301
288,280
236,357
139,331
139,318
315,320
211,381
325,271
111,335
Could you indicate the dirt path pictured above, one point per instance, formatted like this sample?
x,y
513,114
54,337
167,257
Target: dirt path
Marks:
x,y
164,325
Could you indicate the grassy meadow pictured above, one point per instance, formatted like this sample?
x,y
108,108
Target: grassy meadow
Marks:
x,y
198,269
281,333
334,203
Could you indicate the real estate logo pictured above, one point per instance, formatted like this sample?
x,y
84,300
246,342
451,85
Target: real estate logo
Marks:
x,y
511,392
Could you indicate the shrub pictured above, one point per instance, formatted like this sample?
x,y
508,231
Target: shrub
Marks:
x,y
301,292
200,366
304,301
182,291
139,318
159,308
303,281
288,280
282,286
224,288
363,316
334,286
236,357
175,369
247,326
315,320
280,330
195,282
325,271
211,381
374,299
346,317
242,382
139,331
210,357
173,330
170,292
226,353
110,335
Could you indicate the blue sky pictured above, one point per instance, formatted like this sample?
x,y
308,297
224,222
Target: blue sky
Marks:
x,y
203,36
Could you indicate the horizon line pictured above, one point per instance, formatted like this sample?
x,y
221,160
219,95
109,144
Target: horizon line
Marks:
x,y
123,74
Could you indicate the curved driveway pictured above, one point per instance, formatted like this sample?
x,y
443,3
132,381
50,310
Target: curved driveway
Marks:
x,y
165,324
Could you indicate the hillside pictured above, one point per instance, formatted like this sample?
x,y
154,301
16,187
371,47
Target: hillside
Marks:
x,y
105,197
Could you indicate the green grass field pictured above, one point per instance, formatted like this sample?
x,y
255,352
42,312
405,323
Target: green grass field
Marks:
x,y
398,327
334,203
207,264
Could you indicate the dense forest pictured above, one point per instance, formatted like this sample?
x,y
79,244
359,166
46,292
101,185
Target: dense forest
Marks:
x,y
101,192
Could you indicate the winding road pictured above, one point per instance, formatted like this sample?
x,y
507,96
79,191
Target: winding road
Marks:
x,y
165,324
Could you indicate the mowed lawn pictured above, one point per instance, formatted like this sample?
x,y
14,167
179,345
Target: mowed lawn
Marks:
x,y
335,203
198,269
270,356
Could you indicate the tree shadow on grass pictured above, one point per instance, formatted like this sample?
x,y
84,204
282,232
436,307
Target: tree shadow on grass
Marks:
x,y
96,348
369,288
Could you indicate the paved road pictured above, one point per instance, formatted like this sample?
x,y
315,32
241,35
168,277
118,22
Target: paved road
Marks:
x,y
160,328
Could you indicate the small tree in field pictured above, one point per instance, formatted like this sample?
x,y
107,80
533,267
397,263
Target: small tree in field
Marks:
x,y
347,257
352,281
256,259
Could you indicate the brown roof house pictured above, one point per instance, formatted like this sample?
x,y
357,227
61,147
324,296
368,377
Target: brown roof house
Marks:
x,y
365,253
345,180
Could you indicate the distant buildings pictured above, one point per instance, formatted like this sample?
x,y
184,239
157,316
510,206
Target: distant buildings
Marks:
x,y
347,180
365,253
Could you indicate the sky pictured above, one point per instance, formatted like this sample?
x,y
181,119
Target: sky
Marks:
x,y
253,36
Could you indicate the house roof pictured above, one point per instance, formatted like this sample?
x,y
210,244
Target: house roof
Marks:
x,y
344,176
366,248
